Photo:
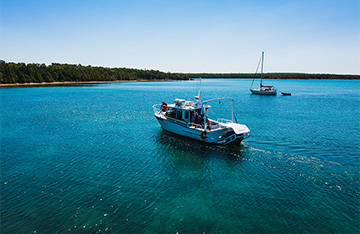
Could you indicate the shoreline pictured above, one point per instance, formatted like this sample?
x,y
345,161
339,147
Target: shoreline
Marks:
x,y
69,83
65,83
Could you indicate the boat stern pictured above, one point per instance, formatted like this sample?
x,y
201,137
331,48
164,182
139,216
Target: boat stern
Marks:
x,y
234,134
241,130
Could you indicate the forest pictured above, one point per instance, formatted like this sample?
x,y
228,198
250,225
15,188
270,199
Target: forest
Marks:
x,y
21,73
12,73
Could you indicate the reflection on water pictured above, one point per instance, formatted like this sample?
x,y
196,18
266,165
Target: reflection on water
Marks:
x,y
192,148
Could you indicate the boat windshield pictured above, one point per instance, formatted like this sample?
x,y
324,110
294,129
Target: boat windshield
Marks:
x,y
187,115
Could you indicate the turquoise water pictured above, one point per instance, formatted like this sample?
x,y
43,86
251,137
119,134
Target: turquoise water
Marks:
x,y
91,159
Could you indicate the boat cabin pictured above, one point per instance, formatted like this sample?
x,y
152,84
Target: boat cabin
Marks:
x,y
185,111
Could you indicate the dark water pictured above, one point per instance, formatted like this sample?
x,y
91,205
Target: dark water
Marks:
x,y
91,159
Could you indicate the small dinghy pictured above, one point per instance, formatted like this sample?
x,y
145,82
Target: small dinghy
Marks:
x,y
286,94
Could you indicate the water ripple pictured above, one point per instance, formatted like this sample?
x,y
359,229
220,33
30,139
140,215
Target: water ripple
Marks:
x,y
82,159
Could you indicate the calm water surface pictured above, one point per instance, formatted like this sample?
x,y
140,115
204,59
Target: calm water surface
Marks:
x,y
91,159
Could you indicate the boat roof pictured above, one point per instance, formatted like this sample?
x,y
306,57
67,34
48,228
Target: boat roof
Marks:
x,y
183,107
182,104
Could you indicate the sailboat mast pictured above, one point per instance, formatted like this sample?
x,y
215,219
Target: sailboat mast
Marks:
x,y
262,67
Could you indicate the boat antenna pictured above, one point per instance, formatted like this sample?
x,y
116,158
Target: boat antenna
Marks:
x,y
200,98
232,110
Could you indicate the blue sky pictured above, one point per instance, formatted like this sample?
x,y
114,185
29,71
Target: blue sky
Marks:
x,y
311,36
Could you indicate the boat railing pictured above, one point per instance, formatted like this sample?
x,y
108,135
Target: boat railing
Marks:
x,y
225,121
157,110
219,99
212,125
156,107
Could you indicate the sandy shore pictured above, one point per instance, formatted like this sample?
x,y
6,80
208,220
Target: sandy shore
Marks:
x,y
66,83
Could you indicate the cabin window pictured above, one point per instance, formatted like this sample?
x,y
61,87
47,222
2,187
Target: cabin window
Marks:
x,y
179,114
187,115
171,113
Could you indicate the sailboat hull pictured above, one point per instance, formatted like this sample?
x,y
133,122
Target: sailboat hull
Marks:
x,y
263,92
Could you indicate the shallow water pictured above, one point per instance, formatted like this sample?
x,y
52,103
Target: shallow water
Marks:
x,y
94,159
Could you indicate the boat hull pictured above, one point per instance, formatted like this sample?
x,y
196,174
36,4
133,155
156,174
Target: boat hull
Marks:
x,y
218,136
263,92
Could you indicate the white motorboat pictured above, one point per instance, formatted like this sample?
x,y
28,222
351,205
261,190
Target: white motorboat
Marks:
x,y
263,89
190,119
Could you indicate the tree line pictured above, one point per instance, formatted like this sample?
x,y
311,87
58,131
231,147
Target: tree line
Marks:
x,y
275,76
12,73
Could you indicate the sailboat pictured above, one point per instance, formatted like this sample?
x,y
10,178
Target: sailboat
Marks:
x,y
263,89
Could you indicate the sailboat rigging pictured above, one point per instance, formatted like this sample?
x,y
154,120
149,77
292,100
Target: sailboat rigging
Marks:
x,y
263,89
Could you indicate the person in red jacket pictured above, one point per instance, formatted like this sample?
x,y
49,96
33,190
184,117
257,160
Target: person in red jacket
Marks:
x,y
164,106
